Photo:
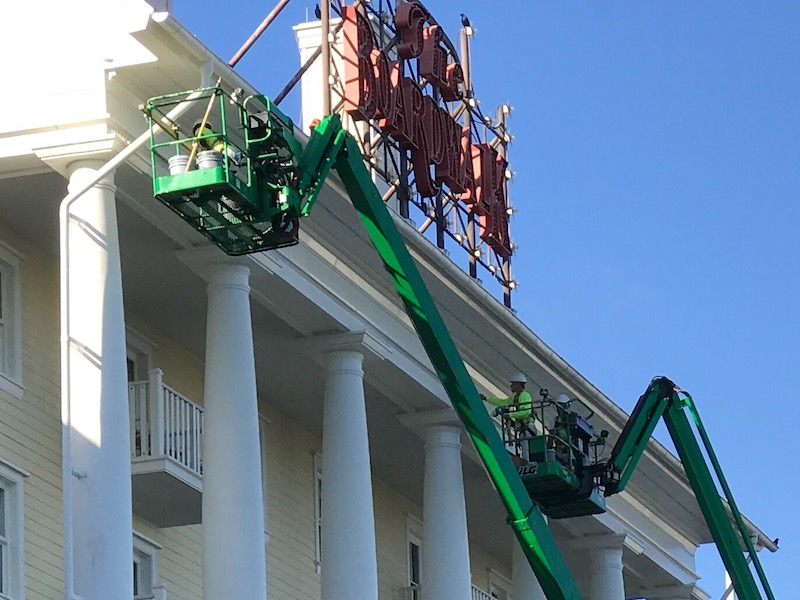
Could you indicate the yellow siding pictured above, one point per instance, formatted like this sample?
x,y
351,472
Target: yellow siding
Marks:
x,y
391,510
182,371
30,427
482,563
291,567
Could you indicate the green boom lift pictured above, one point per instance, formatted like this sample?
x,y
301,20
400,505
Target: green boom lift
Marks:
x,y
234,169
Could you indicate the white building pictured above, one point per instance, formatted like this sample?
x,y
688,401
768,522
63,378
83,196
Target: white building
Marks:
x,y
193,380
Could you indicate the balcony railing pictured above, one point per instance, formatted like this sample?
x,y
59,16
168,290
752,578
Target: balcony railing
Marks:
x,y
165,423
166,453
413,593
479,594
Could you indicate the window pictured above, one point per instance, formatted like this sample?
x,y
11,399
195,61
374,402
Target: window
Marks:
x,y
414,555
499,586
12,521
318,510
144,566
10,323
139,349
263,422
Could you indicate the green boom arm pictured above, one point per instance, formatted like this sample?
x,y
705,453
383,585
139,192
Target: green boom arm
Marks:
x,y
524,517
664,399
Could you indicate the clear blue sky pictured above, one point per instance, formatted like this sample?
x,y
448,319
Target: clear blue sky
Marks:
x,y
656,155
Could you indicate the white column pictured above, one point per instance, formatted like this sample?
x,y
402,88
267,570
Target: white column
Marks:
x,y
524,585
349,559
445,546
95,408
233,501
605,567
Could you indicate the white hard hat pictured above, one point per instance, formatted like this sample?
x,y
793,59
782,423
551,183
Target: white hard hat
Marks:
x,y
519,377
563,399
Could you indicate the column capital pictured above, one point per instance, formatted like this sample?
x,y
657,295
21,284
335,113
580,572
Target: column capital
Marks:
x,y
443,435
611,540
84,169
89,148
363,342
422,421
211,263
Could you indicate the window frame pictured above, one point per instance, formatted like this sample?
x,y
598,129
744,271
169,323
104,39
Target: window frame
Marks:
x,y
263,424
499,583
12,481
317,463
145,554
138,352
11,321
413,537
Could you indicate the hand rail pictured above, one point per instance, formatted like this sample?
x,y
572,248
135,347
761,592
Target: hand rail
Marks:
x,y
165,423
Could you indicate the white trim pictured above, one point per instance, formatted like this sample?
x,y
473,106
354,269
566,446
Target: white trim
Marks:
x,y
317,462
501,582
262,440
144,543
145,553
7,465
139,350
12,480
11,386
139,341
11,302
413,535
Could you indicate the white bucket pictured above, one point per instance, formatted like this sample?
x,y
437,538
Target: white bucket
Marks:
x,y
177,164
209,159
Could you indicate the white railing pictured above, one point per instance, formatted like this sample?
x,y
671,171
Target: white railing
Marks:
x,y
479,594
413,593
165,423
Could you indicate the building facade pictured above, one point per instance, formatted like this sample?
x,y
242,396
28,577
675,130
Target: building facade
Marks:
x,y
263,426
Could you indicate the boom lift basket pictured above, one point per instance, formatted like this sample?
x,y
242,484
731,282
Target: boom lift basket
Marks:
x,y
228,167
555,467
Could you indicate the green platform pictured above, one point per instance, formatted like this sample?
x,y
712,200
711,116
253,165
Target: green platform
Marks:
x,y
557,491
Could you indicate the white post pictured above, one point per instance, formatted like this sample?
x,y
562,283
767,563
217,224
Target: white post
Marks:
x,y
605,565
96,414
445,546
156,400
349,559
233,501
524,585
160,591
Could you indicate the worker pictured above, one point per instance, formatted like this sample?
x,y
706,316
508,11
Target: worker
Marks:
x,y
518,422
561,441
211,140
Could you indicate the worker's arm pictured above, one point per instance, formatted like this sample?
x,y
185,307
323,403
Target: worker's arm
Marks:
x,y
521,405
498,401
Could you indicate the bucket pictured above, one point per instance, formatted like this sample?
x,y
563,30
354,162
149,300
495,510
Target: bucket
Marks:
x,y
177,164
209,159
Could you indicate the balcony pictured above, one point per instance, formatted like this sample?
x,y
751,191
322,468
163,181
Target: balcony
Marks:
x,y
479,594
413,593
166,455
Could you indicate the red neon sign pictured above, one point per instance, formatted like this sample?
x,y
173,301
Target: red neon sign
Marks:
x,y
442,152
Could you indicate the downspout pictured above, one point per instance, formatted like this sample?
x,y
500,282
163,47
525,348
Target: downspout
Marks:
x,y
63,220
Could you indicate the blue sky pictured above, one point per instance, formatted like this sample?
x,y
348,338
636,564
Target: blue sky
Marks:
x,y
656,155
